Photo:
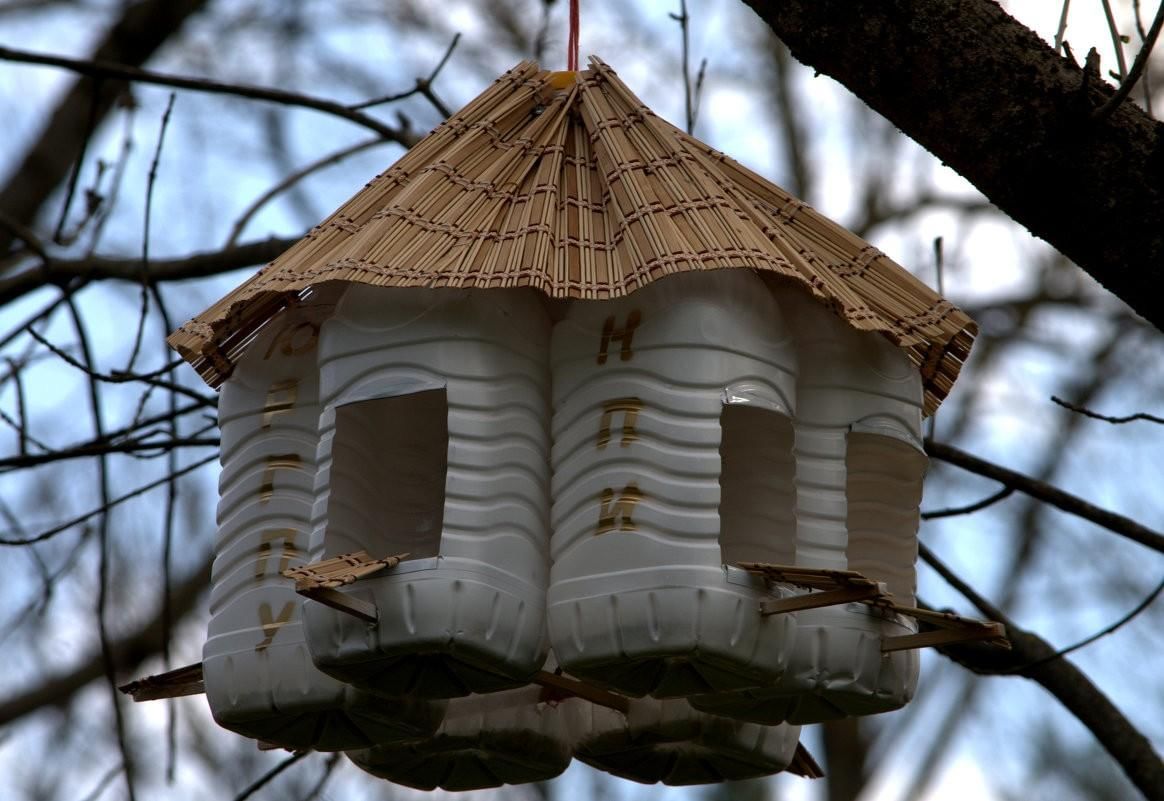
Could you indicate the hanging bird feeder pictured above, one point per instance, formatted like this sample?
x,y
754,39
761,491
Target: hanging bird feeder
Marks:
x,y
566,379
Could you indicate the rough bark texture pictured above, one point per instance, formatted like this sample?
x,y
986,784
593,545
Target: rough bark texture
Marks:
x,y
994,102
142,29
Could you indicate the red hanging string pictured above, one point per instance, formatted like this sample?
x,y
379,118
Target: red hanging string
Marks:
x,y
572,42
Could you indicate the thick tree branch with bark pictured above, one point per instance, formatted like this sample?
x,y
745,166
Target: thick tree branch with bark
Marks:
x,y
989,98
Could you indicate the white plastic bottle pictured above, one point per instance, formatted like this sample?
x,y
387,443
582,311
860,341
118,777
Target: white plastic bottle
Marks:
x,y
667,741
507,737
435,443
859,471
260,680
672,460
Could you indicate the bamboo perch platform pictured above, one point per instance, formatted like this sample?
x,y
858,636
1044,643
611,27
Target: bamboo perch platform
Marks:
x,y
567,183
833,587
175,683
319,581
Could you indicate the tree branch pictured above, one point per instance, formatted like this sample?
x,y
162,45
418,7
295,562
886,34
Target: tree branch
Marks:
x,y
1034,658
988,97
105,69
197,265
128,653
1042,491
143,28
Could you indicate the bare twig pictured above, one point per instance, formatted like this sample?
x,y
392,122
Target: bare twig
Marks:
x,y
55,530
102,514
24,234
1151,418
102,783
1062,29
990,500
266,778
1129,81
24,461
121,72
940,280
1032,657
328,769
1147,77
21,406
788,116
122,378
128,651
1116,40
423,87
1106,630
690,93
196,265
290,181
1047,493
151,180
75,175
168,540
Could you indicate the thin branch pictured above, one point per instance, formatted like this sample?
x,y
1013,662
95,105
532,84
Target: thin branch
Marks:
x,y
1129,82
118,434
102,783
1062,29
1116,40
137,446
969,593
96,408
328,768
24,234
788,115
122,378
266,778
1047,493
290,181
1143,41
151,181
55,530
106,69
79,164
690,93
940,281
1106,630
977,506
197,265
1032,657
128,652
423,86
21,406
1151,418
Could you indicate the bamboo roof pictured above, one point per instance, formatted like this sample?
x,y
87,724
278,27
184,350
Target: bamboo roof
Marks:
x,y
567,183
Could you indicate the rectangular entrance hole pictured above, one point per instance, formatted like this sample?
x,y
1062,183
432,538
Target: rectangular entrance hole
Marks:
x,y
757,521
883,490
389,462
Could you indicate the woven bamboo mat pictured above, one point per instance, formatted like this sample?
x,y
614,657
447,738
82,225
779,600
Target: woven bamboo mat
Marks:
x,y
567,183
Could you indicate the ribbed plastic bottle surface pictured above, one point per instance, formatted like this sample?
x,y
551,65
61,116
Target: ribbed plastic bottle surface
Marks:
x,y
859,470
435,443
507,737
836,670
667,741
659,398
260,680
